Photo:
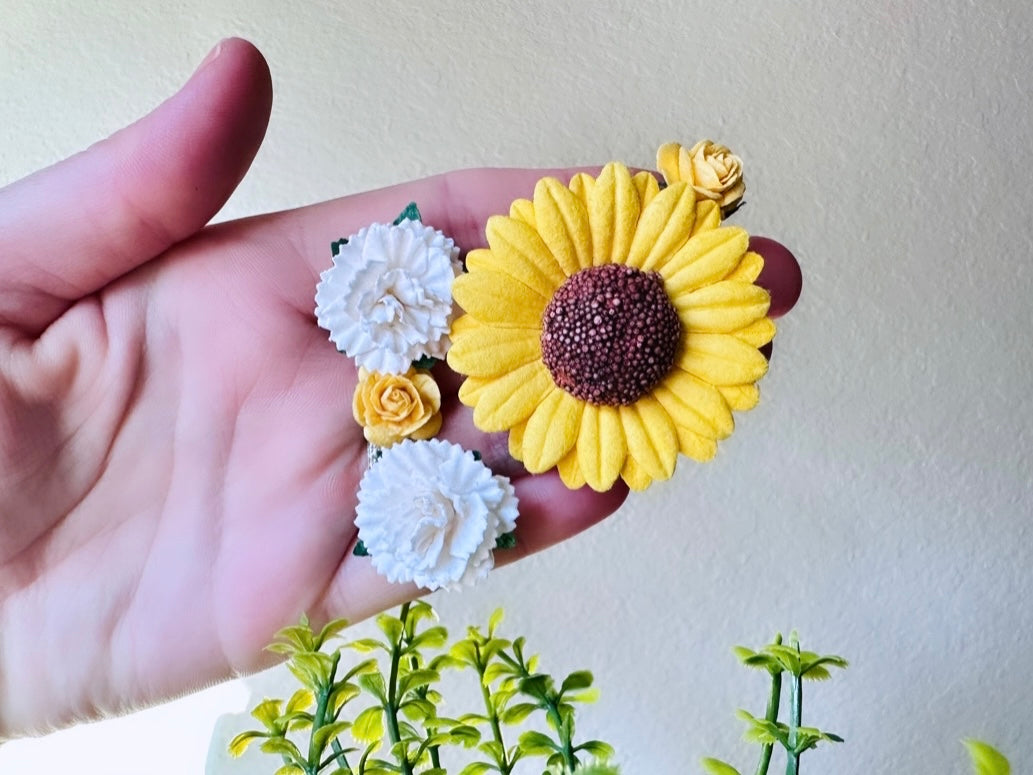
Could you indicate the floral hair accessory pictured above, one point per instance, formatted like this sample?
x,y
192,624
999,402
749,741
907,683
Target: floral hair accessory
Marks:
x,y
712,170
431,512
428,511
392,407
610,326
387,299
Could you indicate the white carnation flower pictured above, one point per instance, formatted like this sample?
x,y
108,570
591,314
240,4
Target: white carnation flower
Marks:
x,y
387,300
430,512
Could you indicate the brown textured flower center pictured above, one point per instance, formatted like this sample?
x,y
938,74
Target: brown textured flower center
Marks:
x,y
610,334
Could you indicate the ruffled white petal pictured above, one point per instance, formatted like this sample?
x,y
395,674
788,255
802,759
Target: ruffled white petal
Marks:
x,y
429,512
387,300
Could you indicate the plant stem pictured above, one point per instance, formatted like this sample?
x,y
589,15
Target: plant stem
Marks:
x,y
391,711
313,765
772,716
505,767
795,717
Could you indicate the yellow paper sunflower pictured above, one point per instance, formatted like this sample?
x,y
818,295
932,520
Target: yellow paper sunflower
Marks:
x,y
609,326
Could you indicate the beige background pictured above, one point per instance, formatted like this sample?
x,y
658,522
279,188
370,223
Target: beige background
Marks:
x,y
878,500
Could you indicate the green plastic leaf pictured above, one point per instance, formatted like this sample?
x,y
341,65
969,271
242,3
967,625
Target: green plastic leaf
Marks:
x,y
493,749
330,630
418,709
365,666
464,651
986,760
433,638
342,693
324,735
240,743
597,748
537,744
582,679
411,213
268,712
391,626
375,685
369,725
303,699
718,767
290,769
518,713
596,769
365,645
283,747
417,679
467,735
496,618
477,768
360,550
589,696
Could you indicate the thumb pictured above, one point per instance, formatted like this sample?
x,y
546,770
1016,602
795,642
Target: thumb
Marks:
x,y
71,229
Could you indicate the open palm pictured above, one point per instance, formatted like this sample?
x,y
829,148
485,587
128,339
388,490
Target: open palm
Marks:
x,y
178,459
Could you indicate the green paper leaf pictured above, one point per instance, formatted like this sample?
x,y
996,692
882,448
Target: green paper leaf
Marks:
x,y
410,213
986,760
427,362
336,245
360,549
506,541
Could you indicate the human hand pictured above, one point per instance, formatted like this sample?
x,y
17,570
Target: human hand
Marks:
x,y
178,457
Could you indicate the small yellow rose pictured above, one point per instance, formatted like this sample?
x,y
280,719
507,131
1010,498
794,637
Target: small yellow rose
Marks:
x,y
713,171
392,407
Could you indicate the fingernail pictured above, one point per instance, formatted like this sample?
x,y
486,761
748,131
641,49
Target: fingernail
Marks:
x,y
212,56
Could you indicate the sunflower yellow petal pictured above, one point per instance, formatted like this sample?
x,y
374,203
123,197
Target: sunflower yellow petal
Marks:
x,y
493,298
741,398
721,359
514,242
748,269
697,447
667,161
705,258
651,435
471,389
601,446
551,430
516,441
635,476
757,334
723,307
708,216
562,222
512,398
646,186
695,405
522,210
582,184
486,351
613,212
663,227
570,471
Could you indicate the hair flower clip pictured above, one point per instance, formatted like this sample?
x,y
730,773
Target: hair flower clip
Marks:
x,y
611,325
387,299
428,511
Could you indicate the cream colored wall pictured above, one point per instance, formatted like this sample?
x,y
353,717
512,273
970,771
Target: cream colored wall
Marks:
x,y
878,500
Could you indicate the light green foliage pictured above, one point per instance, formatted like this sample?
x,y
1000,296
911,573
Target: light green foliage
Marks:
x,y
381,716
778,660
986,760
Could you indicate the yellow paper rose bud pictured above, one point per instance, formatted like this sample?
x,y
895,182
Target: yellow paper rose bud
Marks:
x,y
392,407
713,171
